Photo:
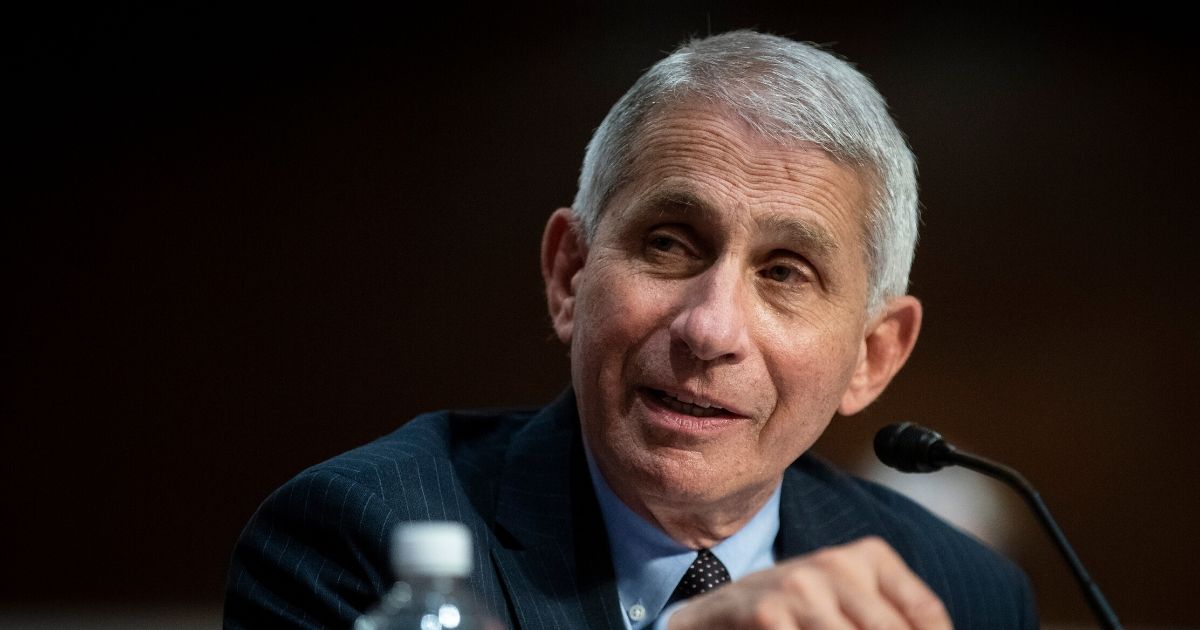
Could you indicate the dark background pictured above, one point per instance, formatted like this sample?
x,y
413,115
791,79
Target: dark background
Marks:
x,y
237,242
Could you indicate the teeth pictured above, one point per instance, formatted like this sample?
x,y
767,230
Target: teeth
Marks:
x,y
691,401
690,406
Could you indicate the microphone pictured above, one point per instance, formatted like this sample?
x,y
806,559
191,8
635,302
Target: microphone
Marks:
x,y
909,447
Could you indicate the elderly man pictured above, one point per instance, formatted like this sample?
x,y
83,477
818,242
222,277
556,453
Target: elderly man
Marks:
x,y
732,273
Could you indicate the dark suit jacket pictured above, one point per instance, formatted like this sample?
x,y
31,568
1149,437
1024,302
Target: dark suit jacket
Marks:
x,y
315,553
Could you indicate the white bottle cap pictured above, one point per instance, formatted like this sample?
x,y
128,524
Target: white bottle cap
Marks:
x,y
436,548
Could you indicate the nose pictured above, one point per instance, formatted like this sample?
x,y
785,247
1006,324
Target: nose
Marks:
x,y
712,322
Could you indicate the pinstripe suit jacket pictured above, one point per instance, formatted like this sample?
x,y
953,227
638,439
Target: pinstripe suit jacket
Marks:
x,y
315,553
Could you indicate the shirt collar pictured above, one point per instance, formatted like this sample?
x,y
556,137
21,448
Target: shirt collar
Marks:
x,y
649,564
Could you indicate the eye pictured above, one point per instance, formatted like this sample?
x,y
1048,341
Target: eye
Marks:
x,y
783,273
779,273
662,243
671,250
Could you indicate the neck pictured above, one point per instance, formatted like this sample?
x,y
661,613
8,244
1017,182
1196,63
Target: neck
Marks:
x,y
698,524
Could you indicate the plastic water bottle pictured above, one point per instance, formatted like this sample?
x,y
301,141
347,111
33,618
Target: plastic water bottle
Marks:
x,y
432,561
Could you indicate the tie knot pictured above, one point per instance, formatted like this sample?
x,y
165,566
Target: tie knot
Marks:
x,y
706,573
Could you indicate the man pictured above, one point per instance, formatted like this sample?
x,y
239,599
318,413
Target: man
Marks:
x,y
732,273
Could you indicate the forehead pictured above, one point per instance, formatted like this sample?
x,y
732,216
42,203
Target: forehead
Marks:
x,y
708,160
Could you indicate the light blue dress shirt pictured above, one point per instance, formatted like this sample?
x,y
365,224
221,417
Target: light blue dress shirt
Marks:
x,y
649,564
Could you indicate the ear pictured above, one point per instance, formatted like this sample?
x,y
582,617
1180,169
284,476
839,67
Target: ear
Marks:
x,y
563,255
888,340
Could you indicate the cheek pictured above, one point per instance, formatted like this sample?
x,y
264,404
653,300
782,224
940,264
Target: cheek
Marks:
x,y
614,317
812,373
616,308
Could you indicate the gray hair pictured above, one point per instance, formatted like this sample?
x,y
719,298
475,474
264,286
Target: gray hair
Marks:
x,y
786,91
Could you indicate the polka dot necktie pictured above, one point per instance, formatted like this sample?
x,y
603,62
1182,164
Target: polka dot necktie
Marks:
x,y
705,574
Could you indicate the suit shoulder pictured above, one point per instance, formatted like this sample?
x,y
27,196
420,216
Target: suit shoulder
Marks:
x,y
464,440
315,552
893,510
442,465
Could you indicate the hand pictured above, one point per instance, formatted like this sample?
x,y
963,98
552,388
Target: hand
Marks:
x,y
863,584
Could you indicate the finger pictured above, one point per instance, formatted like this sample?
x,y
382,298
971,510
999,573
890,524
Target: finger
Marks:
x,y
813,601
773,612
736,606
868,608
911,597
855,579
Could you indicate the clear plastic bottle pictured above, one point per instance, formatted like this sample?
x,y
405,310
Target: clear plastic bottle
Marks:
x,y
432,560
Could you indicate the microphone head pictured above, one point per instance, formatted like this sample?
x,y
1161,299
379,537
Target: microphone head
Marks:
x,y
909,447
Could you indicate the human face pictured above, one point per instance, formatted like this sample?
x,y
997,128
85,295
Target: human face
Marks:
x,y
719,314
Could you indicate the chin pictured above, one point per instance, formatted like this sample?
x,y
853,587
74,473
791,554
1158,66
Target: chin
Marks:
x,y
682,476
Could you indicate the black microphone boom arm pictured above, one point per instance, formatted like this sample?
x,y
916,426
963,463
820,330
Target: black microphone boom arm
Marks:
x,y
910,447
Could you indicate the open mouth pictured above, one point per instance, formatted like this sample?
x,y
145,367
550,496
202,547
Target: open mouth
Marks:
x,y
691,407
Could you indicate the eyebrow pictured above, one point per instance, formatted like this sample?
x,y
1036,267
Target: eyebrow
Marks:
x,y
674,200
809,236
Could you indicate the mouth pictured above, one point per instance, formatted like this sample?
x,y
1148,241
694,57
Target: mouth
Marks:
x,y
685,404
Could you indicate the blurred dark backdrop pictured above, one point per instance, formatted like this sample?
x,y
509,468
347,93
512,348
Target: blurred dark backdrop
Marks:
x,y
239,241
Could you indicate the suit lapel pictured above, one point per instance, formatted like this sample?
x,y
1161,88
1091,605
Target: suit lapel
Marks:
x,y
812,516
553,555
